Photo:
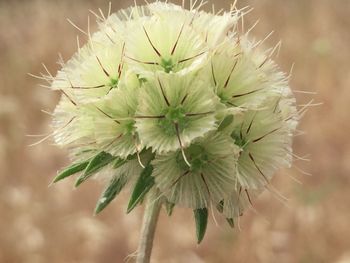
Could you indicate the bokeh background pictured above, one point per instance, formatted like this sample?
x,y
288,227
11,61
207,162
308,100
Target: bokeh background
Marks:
x,y
39,224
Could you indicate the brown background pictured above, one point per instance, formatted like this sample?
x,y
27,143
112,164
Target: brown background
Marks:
x,y
41,224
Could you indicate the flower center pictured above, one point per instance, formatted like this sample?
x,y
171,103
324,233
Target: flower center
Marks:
x,y
167,64
113,82
130,127
197,157
225,99
174,115
239,139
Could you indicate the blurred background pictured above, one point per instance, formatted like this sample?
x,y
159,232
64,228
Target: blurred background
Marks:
x,y
39,224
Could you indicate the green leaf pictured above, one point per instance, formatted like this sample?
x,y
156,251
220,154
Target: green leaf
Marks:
x,y
201,218
119,162
113,189
70,170
225,123
169,207
96,163
144,183
231,222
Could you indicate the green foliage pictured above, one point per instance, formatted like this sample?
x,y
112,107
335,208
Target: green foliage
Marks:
x,y
201,219
70,170
113,189
225,123
144,183
119,162
96,164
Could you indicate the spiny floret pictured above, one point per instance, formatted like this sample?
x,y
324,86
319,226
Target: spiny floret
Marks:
x,y
163,44
114,123
205,178
173,111
264,138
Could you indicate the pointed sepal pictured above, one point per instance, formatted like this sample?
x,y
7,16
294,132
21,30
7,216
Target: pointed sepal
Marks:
x,y
225,122
220,206
70,170
201,219
112,190
119,162
96,163
231,222
169,207
144,183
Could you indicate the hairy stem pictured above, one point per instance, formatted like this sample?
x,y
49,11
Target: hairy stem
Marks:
x,y
150,220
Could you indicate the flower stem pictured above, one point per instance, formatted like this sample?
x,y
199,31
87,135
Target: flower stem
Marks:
x,y
149,224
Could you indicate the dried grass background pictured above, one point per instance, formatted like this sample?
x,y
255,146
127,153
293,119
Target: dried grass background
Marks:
x,y
40,224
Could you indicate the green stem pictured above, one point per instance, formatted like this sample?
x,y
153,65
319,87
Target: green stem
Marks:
x,y
149,224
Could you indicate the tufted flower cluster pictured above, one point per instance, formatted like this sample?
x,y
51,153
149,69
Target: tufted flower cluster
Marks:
x,y
176,102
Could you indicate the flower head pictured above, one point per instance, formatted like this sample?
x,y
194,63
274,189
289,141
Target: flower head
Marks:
x,y
179,102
